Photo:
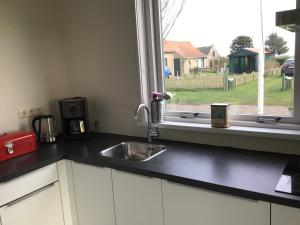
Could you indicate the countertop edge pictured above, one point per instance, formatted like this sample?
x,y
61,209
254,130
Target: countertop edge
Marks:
x,y
212,187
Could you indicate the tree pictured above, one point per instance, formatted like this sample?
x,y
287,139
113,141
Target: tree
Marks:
x,y
241,42
170,11
276,44
282,59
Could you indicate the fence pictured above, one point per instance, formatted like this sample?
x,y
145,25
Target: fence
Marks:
x,y
204,81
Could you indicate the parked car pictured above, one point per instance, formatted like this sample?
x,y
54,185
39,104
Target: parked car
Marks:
x,y
288,67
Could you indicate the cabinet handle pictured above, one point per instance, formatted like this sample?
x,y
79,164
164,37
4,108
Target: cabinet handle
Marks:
x,y
29,195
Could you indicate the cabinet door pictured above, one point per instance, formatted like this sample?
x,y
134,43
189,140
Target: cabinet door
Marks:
x,y
191,206
283,215
138,199
93,193
40,207
66,183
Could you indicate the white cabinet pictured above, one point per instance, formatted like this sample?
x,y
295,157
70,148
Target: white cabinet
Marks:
x,y
283,215
32,199
66,183
30,182
93,193
138,199
42,206
192,206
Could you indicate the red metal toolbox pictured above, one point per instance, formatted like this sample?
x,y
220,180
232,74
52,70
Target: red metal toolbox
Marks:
x,y
17,143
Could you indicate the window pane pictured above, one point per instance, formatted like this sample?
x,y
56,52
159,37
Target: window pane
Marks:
x,y
279,84
211,55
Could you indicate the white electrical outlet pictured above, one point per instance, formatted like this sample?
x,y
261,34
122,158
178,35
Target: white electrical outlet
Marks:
x,y
38,110
22,113
31,112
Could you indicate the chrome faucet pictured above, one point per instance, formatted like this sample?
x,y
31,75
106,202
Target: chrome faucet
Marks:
x,y
152,131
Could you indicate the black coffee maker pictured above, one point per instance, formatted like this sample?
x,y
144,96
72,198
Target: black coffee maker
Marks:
x,y
74,117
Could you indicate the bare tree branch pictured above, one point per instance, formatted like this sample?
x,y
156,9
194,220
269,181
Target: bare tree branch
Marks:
x,y
164,6
170,13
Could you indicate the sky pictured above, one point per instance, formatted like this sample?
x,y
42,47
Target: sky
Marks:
x,y
218,22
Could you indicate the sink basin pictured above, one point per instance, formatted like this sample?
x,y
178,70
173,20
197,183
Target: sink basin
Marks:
x,y
135,151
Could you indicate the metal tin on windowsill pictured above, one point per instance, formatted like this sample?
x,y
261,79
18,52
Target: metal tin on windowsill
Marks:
x,y
220,115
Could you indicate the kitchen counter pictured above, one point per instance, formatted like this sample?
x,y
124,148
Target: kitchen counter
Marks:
x,y
247,174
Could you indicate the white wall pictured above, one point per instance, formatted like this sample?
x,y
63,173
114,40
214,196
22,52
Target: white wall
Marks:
x,y
102,60
245,142
32,67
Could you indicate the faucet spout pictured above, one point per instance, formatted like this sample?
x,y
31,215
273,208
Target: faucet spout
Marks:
x,y
150,132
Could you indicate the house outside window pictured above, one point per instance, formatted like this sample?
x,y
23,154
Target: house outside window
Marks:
x,y
251,77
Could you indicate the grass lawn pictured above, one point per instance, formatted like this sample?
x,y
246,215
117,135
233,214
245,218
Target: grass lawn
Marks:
x,y
244,94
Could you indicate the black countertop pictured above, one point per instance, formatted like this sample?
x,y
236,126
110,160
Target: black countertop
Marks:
x,y
238,172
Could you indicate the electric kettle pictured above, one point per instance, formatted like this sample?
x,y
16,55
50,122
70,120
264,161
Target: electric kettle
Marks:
x,y
45,129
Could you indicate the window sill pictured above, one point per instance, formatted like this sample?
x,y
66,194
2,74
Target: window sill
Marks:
x,y
288,134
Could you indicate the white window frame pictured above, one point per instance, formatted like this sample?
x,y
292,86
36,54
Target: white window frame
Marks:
x,y
151,59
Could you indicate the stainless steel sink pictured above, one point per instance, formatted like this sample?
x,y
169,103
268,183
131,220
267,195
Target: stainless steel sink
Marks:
x,y
135,151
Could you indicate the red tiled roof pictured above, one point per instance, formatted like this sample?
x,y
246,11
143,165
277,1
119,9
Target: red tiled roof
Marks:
x,y
183,48
256,50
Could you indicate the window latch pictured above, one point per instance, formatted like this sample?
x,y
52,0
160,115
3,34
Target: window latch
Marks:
x,y
268,119
189,115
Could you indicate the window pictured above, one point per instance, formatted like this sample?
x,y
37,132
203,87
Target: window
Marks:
x,y
255,70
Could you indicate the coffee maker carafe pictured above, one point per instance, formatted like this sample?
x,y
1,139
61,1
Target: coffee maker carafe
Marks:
x,y
74,116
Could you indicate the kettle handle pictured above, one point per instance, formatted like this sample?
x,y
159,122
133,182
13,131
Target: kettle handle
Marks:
x,y
38,132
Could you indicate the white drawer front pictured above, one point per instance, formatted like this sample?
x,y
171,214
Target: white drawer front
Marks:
x,y
27,183
42,207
